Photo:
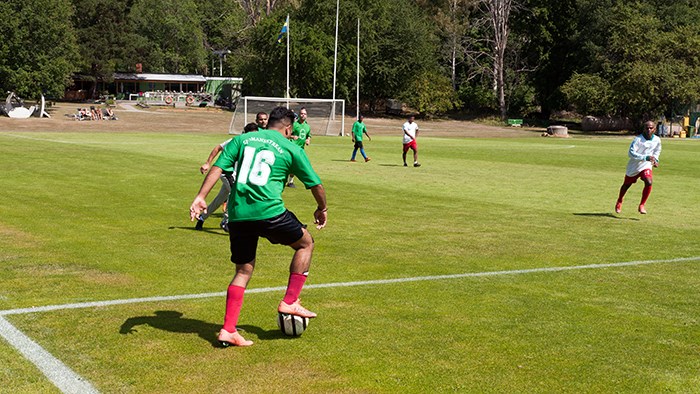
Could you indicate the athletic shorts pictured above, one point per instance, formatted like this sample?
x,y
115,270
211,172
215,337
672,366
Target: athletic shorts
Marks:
x,y
283,229
358,145
410,145
642,174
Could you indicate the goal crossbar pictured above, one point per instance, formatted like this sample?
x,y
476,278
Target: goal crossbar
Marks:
x,y
325,116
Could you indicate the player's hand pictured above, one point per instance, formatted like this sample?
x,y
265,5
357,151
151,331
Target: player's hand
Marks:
x,y
308,142
320,218
198,206
204,168
654,162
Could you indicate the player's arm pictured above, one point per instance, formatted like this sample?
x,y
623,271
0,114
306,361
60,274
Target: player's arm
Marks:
x,y
633,154
205,167
199,204
655,155
321,212
409,136
367,134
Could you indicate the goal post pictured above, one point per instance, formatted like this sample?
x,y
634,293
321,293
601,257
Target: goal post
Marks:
x,y
325,116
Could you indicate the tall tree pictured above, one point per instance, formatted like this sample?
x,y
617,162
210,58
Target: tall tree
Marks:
x,y
498,12
170,36
102,31
38,48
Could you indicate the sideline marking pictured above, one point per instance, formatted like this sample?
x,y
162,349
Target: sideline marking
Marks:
x,y
69,382
57,372
92,304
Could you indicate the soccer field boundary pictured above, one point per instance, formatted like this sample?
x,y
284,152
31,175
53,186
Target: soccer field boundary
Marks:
x,y
100,304
67,381
64,378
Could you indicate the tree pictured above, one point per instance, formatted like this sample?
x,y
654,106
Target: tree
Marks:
x,y
38,50
498,12
431,93
101,28
650,63
169,36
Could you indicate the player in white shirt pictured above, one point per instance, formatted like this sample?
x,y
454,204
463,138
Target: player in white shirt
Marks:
x,y
410,133
644,154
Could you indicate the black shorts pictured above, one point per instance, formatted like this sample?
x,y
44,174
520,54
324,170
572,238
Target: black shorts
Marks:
x,y
283,229
358,144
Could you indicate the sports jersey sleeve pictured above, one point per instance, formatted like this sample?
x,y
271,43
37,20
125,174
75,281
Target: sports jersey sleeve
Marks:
x,y
228,157
633,152
657,149
301,168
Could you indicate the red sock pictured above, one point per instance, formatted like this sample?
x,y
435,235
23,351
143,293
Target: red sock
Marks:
x,y
296,282
623,190
234,301
645,194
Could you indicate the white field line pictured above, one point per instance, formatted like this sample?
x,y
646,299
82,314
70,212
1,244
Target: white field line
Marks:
x,y
69,382
98,304
57,372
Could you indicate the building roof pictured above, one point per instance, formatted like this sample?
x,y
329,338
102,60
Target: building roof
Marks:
x,y
188,78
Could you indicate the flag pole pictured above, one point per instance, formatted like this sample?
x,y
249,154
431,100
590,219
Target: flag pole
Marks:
x,y
288,32
335,54
358,68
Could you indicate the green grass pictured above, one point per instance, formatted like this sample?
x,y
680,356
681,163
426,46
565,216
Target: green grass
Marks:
x,y
99,216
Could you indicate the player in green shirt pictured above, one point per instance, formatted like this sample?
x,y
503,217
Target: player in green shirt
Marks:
x,y
358,128
262,161
301,135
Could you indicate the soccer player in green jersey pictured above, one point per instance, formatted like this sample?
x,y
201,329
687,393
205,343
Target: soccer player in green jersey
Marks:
x,y
358,128
263,160
301,135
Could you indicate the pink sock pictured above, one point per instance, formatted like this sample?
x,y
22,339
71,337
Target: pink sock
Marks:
x,y
296,282
645,194
234,301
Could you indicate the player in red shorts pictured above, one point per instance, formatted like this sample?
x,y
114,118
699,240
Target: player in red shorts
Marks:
x,y
410,133
644,154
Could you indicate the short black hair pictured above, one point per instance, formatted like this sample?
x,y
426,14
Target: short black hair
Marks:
x,y
250,127
277,115
257,116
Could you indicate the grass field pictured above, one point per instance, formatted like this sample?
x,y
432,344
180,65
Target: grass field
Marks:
x,y
104,216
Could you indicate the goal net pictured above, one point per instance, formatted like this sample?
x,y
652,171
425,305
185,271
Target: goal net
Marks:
x,y
325,116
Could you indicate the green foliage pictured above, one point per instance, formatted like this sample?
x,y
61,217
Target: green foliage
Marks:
x,y
650,63
589,94
170,34
430,93
477,98
38,49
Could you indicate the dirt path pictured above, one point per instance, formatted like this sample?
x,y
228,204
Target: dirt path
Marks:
x,y
216,121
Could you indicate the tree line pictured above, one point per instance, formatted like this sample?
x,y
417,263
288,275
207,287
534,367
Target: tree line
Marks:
x,y
512,58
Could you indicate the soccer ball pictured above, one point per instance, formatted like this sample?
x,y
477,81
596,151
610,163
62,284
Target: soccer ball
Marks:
x,y
292,325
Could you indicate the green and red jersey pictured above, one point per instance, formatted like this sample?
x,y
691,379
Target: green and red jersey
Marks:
x,y
262,162
303,131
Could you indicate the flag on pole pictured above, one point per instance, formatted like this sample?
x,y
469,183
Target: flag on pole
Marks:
x,y
283,31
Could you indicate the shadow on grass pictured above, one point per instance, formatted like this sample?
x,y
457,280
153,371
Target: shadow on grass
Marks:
x,y
263,334
391,165
172,321
203,230
603,214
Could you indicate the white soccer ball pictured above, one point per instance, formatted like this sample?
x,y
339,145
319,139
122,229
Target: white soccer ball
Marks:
x,y
292,325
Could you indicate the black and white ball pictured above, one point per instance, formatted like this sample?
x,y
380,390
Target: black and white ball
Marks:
x,y
292,325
